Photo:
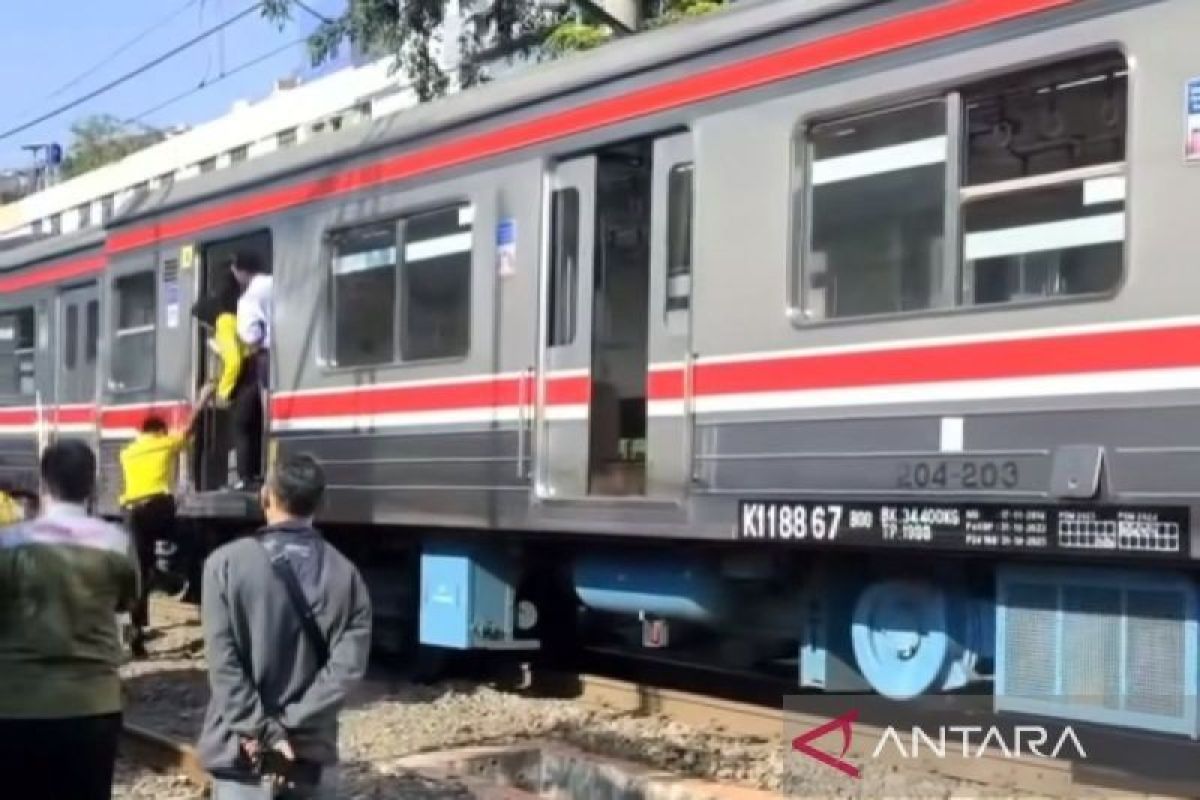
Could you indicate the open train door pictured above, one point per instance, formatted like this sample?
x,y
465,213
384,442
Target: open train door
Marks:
x,y
563,386
614,394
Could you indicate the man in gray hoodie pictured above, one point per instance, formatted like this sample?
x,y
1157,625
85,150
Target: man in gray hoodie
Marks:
x,y
287,630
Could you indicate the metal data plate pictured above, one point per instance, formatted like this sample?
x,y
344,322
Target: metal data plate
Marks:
x,y
1125,531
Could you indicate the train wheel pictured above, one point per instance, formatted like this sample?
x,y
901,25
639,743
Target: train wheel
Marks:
x,y
900,637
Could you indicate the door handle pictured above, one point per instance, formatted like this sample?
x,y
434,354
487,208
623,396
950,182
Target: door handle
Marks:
x,y
524,404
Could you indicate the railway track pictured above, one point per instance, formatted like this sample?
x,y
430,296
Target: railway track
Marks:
x,y
991,768
745,705
1043,776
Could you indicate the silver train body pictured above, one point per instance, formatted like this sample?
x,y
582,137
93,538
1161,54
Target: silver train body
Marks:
x,y
813,321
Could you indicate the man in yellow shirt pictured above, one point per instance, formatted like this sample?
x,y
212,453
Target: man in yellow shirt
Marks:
x,y
148,465
236,383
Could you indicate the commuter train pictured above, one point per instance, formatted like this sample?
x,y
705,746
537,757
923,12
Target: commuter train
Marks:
x,y
854,339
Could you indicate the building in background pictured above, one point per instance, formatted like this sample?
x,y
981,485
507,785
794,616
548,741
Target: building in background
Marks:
x,y
351,89
294,112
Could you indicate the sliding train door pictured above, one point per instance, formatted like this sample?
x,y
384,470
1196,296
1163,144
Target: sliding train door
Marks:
x,y
615,384
75,411
669,371
564,374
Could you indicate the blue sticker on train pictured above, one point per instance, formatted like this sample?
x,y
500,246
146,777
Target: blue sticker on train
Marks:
x,y
506,232
1193,96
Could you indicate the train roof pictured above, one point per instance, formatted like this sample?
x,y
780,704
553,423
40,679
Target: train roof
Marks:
x,y
740,23
39,249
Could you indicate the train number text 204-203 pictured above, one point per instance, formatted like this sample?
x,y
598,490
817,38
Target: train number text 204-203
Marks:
x,y
959,475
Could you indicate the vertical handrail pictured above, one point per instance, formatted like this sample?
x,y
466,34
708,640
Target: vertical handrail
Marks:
x,y
525,415
521,424
41,422
689,413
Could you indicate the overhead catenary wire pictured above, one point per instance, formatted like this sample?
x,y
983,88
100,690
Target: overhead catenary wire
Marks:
x,y
128,76
306,7
206,83
121,50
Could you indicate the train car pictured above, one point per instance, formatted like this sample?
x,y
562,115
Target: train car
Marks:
x,y
49,349
850,338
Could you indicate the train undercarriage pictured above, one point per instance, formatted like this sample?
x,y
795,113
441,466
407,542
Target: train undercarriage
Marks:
x,y
1114,648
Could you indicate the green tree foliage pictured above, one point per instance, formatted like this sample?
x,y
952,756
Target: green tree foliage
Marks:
x,y
413,30
103,139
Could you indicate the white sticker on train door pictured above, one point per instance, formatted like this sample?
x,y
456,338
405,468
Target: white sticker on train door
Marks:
x,y
171,297
1191,145
506,247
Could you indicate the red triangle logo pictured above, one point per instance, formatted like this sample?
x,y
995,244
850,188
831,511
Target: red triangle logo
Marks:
x,y
843,723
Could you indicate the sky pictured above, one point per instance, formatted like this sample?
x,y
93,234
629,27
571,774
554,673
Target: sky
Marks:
x,y
48,43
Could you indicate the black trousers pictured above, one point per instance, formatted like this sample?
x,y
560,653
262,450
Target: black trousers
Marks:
x,y
59,759
247,424
148,521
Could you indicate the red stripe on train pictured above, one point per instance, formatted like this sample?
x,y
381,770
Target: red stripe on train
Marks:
x,y
1058,355
54,273
132,416
1073,354
114,417
908,30
484,393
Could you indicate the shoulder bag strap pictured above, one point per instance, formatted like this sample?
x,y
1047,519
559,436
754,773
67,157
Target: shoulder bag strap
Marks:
x,y
283,570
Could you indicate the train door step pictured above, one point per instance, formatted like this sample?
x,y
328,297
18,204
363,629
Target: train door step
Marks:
x,y
225,503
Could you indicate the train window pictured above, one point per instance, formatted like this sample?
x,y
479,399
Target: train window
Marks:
x,y
132,365
564,260
679,235
17,376
71,337
1043,201
1037,195
435,284
877,212
92,332
364,296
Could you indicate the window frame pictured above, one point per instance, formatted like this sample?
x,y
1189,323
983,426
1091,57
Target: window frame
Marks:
x,y
558,315
329,340
91,344
957,195
328,350
116,333
70,351
18,397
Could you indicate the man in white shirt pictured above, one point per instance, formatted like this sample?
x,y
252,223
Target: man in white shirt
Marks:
x,y
254,314
254,311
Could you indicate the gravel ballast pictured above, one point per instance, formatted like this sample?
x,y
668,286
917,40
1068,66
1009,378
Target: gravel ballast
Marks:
x,y
388,719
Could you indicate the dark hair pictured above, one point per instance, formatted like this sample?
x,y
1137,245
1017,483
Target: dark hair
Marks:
x,y
69,470
298,483
154,424
222,300
246,262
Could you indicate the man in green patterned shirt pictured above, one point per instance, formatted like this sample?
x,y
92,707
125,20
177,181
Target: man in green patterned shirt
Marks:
x,y
64,577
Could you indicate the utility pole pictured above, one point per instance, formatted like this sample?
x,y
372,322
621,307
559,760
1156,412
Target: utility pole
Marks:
x,y
45,167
